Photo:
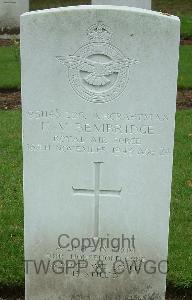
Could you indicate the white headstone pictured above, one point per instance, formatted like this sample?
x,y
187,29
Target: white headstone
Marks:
x,y
99,98
10,12
131,3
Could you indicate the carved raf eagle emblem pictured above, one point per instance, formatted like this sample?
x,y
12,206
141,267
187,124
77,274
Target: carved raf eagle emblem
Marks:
x,y
98,72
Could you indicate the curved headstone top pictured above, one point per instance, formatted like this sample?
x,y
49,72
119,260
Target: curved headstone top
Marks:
x,y
99,98
95,7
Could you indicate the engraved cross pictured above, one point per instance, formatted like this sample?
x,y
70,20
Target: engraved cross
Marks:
x,y
97,192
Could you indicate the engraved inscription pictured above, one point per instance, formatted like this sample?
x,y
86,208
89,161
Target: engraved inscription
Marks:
x,y
97,192
98,72
115,133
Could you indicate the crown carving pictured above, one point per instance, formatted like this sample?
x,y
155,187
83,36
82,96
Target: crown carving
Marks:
x,y
99,33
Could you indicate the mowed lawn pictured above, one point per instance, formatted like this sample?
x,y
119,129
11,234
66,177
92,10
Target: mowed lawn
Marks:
x,y
11,199
11,207
11,202
185,67
10,68
180,243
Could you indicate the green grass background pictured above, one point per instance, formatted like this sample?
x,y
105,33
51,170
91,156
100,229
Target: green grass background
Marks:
x,y
9,56
185,67
11,207
180,242
11,203
10,67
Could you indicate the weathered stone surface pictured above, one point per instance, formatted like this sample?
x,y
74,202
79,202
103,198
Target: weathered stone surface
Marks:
x,y
99,91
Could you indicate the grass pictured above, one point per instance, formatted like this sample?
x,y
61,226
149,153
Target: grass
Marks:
x,y
185,68
186,26
10,68
11,207
180,243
